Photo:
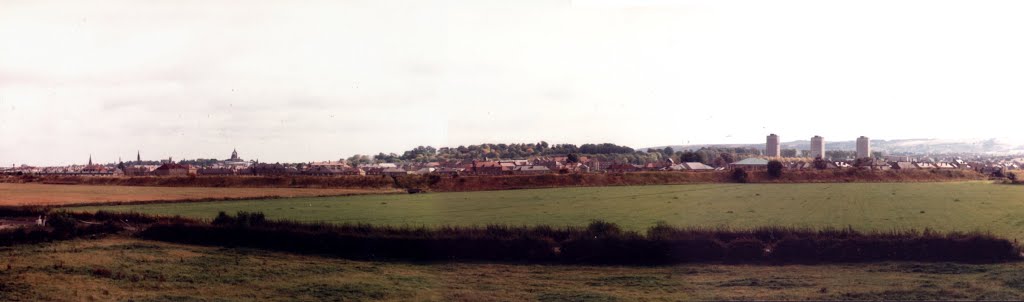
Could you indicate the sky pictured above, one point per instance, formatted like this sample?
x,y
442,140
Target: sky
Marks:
x,y
287,81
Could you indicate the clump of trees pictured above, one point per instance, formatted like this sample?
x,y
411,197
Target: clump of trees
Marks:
x,y
605,152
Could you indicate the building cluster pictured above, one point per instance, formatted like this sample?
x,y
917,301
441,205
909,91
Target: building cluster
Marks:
x,y
235,166
818,159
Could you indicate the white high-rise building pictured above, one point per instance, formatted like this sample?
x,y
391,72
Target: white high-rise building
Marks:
x,y
863,147
818,147
772,147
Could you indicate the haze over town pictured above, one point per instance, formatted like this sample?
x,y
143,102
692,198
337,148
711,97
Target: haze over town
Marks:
x,y
332,79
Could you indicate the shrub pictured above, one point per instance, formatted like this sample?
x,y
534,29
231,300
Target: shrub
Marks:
x,y
242,219
600,242
739,175
62,223
794,249
601,228
775,169
744,249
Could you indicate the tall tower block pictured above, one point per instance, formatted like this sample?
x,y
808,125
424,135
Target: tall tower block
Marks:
x,y
772,148
818,147
863,147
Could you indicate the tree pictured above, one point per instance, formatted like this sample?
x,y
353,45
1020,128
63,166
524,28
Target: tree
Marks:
x,y
775,168
572,158
739,175
820,164
690,156
727,157
358,159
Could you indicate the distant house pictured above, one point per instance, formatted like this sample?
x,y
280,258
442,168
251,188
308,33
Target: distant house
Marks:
x,y
923,165
529,170
373,171
903,165
139,170
272,169
880,165
945,166
96,170
489,168
394,172
334,165
449,171
751,164
424,171
353,172
620,168
697,166
324,170
378,166
217,171
174,170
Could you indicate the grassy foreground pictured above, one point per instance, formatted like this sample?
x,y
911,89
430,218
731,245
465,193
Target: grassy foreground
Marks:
x,y
959,206
117,268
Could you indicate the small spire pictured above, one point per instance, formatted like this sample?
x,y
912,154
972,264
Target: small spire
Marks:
x,y
90,159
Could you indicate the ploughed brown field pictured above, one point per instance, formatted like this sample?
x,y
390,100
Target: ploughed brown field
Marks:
x,y
48,194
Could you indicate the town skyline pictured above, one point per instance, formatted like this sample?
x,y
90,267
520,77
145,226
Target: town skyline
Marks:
x,y
253,155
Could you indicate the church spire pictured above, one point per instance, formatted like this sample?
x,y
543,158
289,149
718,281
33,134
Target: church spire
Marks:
x,y
90,159
138,156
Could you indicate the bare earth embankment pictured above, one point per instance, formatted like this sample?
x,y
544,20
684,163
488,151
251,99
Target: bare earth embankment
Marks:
x,y
47,194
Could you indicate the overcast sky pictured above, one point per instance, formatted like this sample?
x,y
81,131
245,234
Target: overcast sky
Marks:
x,y
303,80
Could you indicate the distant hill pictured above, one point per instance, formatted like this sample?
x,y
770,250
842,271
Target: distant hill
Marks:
x,y
917,146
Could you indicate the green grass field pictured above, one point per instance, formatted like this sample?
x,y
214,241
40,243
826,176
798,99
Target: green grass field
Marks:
x,y
963,206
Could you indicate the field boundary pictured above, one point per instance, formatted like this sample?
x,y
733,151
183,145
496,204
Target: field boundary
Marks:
x,y
599,243
438,183
211,199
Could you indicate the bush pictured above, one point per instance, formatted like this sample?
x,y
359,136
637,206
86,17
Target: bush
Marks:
x,y
744,250
242,219
600,242
794,249
62,223
775,169
739,175
601,228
